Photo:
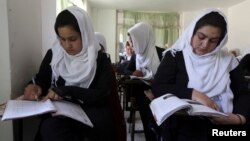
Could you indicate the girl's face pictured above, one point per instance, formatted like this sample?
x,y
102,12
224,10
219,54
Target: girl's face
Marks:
x,y
70,40
206,39
130,41
129,50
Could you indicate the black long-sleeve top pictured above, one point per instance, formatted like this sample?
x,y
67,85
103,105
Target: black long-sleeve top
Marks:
x,y
172,77
245,64
95,100
97,94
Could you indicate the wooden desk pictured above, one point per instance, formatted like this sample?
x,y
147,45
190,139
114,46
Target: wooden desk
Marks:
x,y
134,93
129,87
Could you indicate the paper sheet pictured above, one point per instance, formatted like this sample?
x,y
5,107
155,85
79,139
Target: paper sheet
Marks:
x,y
23,108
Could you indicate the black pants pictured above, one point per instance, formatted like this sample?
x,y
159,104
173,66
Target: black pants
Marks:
x,y
147,118
66,129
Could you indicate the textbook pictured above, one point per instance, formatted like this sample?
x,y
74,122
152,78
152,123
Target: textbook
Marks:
x,y
168,104
16,109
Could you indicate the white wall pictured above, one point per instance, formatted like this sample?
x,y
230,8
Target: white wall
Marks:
x,y
49,12
187,17
5,86
239,23
87,6
25,41
25,36
104,21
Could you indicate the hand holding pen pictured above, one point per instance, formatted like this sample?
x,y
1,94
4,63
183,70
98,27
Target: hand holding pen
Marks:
x,y
32,91
35,94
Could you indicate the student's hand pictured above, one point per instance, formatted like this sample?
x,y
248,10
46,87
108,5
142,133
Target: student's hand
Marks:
x,y
32,92
204,99
149,94
52,96
231,119
138,73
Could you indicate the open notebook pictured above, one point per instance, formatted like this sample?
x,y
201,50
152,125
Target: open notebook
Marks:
x,y
16,109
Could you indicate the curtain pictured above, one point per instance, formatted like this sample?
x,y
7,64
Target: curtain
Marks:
x,y
66,3
165,25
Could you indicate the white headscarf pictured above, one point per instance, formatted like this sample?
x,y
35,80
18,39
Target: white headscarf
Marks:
x,y
143,39
101,39
78,70
208,73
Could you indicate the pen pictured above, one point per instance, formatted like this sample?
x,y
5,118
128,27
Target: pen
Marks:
x,y
34,83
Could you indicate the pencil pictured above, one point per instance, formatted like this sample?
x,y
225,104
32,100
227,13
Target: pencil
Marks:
x,y
34,82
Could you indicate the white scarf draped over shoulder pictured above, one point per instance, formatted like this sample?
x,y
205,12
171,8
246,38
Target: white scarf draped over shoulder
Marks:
x,y
101,39
208,73
143,39
77,70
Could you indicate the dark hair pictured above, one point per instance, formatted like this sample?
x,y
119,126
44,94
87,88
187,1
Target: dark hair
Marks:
x,y
65,18
127,43
213,19
102,48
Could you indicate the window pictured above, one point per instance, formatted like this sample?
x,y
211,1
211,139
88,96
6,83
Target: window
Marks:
x,y
165,25
62,4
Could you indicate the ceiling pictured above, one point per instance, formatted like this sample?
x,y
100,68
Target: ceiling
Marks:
x,y
162,5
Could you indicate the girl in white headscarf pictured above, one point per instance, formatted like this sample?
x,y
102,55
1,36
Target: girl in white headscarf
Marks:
x,y
75,70
102,41
144,63
142,40
196,67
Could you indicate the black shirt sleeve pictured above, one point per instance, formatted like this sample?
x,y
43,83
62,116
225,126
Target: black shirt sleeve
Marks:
x,y
131,65
100,89
43,77
159,52
245,64
241,93
171,77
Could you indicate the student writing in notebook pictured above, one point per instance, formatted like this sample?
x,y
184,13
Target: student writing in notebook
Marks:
x,y
196,67
75,69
